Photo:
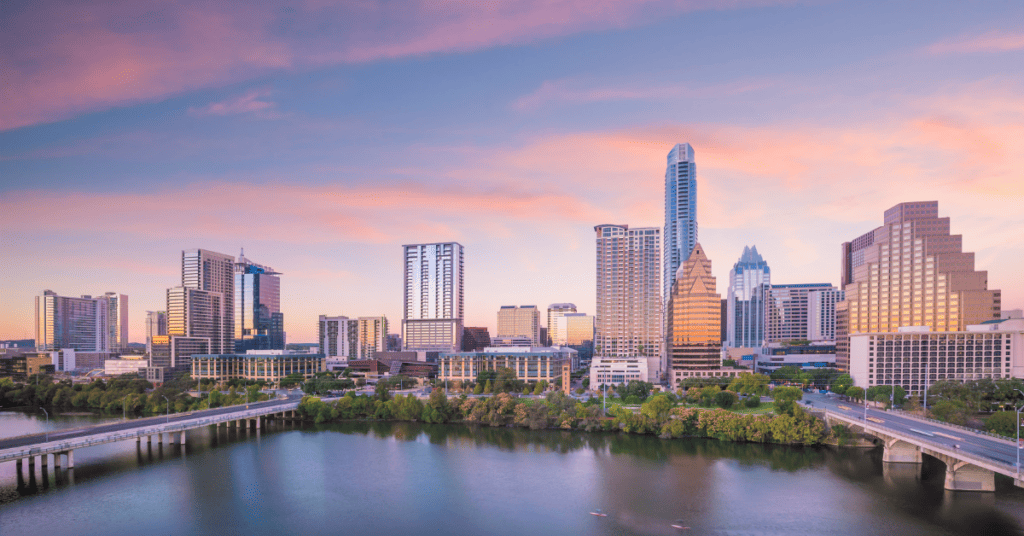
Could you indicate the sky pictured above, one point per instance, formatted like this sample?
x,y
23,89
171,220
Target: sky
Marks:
x,y
321,137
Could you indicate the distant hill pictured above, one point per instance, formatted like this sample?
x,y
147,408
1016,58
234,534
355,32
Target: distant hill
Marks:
x,y
137,345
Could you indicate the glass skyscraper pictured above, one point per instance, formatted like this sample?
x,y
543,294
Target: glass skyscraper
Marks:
x,y
680,212
748,280
693,337
259,323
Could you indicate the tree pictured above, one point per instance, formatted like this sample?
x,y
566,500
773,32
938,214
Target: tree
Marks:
x,y
726,399
540,387
1002,423
785,399
488,388
381,391
657,407
478,389
750,384
785,374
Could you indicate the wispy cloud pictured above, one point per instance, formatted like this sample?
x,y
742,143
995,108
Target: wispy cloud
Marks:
x,y
254,102
992,41
62,59
578,92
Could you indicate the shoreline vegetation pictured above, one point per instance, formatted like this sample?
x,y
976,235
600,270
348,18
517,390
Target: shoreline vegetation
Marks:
x,y
659,415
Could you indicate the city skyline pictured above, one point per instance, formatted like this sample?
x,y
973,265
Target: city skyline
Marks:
x,y
517,137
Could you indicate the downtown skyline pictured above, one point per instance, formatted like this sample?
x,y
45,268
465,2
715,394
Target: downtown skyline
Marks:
x,y
509,135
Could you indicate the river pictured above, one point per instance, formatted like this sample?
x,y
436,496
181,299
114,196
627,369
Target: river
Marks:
x,y
404,478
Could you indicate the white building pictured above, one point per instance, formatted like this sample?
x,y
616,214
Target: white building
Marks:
x,y
339,338
433,312
916,357
85,324
617,371
117,367
821,310
628,322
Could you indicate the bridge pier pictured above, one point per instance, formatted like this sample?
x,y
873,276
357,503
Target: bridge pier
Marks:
x,y
71,459
258,423
962,476
897,451
19,464
182,437
43,460
56,460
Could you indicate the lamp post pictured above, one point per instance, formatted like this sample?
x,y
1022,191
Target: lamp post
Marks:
x,y
47,435
168,409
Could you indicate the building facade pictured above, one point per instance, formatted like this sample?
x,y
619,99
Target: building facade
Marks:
x,y
84,324
556,336
339,338
268,365
156,325
579,334
916,357
433,310
258,322
520,321
617,371
748,279
117,321
373,336
693,337
812,356
680,212
910,272
628,319
475,339
788,310
529,364
821,306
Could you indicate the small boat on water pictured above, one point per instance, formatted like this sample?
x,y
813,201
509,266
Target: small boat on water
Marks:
x,y
680,524
599,513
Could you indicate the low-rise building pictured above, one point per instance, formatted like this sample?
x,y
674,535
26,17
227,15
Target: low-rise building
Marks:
x,y
531,364
774,356
916,357
617,370
117,367
268,365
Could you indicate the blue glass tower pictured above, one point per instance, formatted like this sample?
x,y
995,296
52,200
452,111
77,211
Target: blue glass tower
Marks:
x,y
680,212
745,318
259,323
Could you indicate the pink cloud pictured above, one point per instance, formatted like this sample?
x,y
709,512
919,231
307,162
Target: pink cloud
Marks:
x,y
249,103
992,41
66,59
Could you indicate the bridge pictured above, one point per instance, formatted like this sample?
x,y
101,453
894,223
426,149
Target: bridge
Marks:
x,y
972,458
63,443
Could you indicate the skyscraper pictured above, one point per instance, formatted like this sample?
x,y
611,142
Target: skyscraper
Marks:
x,y
339,337
557,336
259,322
156,325
748,279
200,312
910,272
521,321
821,310
82,324
693,334
579,334
788,310
680,211
433,313
117,321
628,319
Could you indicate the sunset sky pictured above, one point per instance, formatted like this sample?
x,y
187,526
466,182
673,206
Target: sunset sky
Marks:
x,y
322,137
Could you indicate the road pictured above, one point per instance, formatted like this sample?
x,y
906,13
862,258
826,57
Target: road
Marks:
x,y
135,423
948,436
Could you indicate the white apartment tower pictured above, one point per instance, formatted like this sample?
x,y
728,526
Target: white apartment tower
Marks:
x,y
433,313
628,320
84,324
821,310
680,212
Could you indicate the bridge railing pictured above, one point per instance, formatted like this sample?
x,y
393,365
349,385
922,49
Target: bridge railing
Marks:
x,y
48,447
951,425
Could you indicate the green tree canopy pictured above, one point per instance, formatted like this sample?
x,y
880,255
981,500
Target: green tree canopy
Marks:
x,y
785,399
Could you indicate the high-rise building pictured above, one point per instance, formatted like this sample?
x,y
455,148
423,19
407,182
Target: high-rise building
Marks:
x,y
680,211
156,325
788,310
373,336
117,321
339,338
910,272
748,279
475,339
693,337
557,337
821,310
579,334
200,312
520,321
628,319
81,324
433,314
259,322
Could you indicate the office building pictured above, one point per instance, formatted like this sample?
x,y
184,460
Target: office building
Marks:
x,y
254,365
556,311
910,272
821,310
680,212
917,357
748,279
776,355
612,371
156,325
200,312
520,321
433,311
529,364
579,334
511,341
628,319
84,324
693,334
788,310
373,336
475,339
259,322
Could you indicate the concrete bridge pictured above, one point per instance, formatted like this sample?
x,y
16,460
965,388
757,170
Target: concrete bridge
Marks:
x,y
63,443
972,459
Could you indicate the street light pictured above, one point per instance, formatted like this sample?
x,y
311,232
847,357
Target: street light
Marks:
x,y
47,436
168,409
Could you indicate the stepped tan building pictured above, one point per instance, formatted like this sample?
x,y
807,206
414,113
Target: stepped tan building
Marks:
x,y
694,332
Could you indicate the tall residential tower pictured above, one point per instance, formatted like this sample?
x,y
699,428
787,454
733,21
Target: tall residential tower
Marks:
x,y
680,212
433,314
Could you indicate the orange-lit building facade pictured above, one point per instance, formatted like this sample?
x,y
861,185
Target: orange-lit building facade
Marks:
x,y
910,272
694,329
